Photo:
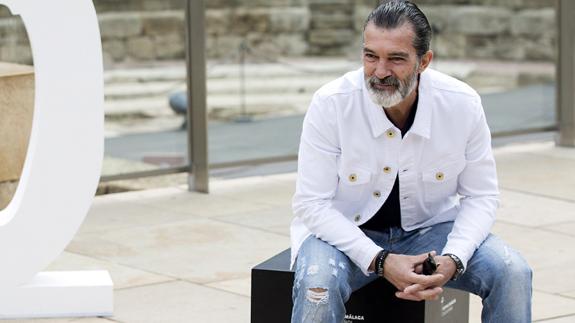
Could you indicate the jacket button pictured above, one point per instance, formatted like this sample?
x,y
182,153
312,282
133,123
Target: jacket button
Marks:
x,y
387,169
357,217
439,176
390,134
352,177
377,194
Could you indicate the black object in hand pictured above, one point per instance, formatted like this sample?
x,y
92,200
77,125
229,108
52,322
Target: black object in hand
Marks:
x,y
429,265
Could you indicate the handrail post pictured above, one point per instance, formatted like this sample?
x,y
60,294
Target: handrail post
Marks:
x,y
198,176
565,77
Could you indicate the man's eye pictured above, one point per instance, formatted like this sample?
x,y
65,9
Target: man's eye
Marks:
x,y
397,59
370,56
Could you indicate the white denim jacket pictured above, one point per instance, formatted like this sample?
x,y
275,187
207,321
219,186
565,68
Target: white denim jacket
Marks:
x,y
350,154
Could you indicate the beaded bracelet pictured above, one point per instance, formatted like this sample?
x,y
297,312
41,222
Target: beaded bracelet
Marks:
x,y
379,262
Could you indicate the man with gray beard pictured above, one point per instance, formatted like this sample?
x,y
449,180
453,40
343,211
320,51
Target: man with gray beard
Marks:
x,y
395,169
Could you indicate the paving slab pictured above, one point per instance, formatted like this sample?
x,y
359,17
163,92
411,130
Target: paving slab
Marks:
x,y
475,308
110,214
275,219
556,279
527,209
547,306
179,302
63,320
199,204
542,249
567,228
122,276
238,286
569,294
200,250
538,174
564,319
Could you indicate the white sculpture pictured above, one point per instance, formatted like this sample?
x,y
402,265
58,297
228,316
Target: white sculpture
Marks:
x,y
62,166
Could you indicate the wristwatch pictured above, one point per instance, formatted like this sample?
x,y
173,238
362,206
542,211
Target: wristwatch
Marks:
x,y
459,269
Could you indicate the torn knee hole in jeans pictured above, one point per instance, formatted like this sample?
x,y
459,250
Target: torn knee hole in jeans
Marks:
x,y
317,295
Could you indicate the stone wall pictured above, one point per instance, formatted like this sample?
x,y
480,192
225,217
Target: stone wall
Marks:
x,y
146,30
16,109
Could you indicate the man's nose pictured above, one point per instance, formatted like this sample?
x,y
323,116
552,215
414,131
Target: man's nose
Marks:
x,y
382,70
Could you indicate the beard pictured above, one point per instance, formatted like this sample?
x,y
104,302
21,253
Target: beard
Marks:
x,y
402,88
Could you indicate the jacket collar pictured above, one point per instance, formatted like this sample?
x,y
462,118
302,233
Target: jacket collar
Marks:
x,y
379,122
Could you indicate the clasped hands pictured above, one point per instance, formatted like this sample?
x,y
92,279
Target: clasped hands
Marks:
x,y
404,272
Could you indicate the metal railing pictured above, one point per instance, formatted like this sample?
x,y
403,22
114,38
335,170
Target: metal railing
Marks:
x,y
197,116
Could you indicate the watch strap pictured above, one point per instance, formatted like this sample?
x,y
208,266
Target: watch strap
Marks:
x,y
459,269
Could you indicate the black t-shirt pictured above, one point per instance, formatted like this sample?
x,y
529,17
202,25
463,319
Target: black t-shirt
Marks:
x,y
389,215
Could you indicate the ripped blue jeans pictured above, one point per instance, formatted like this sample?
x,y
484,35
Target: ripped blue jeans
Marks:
x,y
325,277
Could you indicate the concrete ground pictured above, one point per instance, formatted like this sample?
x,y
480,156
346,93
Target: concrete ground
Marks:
x,y
177,256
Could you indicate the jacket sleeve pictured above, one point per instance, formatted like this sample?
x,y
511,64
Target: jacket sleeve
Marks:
x,y
479,193
317,183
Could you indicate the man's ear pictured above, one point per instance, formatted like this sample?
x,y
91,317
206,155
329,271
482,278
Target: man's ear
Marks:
x,y
425,60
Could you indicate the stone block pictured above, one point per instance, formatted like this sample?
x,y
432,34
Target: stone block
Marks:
x,y
16,53
541,49
164,23
4,11
120,25
289,20
332,21
7,190
226,47
270,3
16,109
509,48
441,2
480,47
244,21
115,48
474,20
281,45
217,21
331,7
439,17
155,5
171,46
360,14
141,48
534,22
331,37
449,46
516,4
138,5
13,29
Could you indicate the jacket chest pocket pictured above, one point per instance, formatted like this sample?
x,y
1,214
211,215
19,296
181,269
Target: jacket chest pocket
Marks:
x,y
441,182
353,182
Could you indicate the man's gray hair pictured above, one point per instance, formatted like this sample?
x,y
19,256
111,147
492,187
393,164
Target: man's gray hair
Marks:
x,y
394,13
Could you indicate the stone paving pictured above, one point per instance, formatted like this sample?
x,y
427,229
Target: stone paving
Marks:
x,y
177,256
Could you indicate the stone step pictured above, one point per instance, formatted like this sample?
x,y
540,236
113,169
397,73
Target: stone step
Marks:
x,y
218,106
216,70
280,86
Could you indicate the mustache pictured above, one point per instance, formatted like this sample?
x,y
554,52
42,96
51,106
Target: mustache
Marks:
x,y
388,80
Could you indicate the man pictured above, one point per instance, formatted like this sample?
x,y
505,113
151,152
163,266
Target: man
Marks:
x,y
395,162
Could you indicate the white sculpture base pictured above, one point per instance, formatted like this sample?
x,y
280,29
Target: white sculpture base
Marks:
x,y
60,294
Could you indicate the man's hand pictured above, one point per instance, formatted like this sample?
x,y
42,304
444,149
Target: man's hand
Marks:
x,y
445,270
402,272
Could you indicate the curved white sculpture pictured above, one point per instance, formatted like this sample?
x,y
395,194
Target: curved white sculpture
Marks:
x,y
65,151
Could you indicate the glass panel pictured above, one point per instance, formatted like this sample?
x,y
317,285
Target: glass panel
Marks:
x,y
506,51
16,101
144,52
266,59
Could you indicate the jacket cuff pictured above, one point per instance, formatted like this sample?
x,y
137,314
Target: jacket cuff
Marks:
x,y
462,253
367,257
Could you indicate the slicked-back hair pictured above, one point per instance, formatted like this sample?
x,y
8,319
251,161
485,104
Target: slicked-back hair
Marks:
x,y
392,14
